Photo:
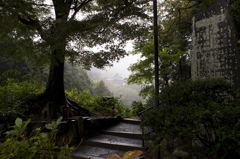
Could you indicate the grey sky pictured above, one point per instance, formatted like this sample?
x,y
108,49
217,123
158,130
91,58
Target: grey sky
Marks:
x,y
121,67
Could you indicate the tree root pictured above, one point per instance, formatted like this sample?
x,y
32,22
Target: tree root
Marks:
x,y
44,109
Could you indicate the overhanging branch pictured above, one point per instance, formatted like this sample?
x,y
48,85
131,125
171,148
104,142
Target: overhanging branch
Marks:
x,y
76,9
27,20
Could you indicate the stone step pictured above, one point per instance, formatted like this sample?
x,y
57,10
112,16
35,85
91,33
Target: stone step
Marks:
x,y
114,142
93,152
132,121
125,128
123,134
118,139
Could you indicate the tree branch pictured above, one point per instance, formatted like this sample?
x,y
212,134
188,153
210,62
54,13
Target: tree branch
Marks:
x,y
76,9
179,10
199,2
29,21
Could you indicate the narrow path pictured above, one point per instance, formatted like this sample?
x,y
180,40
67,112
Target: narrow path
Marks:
x,y
122,137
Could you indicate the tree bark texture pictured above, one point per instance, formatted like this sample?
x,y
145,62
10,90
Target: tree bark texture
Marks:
x,y
55,86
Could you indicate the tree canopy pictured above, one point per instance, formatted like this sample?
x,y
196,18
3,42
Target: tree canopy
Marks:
x,y
74,25
58,30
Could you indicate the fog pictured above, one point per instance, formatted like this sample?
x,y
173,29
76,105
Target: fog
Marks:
x,y
127,93
120,67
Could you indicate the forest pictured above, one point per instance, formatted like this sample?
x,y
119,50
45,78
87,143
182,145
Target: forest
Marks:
x,y
45,52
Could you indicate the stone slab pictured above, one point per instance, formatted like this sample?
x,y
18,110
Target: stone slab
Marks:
x,y
110,141
214,52
91,152
126,127
132,121
123,134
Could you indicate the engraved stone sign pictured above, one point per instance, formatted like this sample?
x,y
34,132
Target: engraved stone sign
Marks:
x,y
214,48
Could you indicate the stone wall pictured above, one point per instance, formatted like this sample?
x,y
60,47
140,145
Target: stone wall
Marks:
x,y
75,128
214,48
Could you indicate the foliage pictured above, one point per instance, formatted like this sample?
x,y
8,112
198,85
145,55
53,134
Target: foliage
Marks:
x,y
15,96
174,32
234,10
123,111
55,31
101,89
22,66
143,71
98,104
137,107
127,155
76,77
39,32
38,145
202,115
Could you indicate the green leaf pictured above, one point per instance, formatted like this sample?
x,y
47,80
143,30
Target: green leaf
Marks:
x,y
31,155
18,122
49,126
59,120
44,135
24,126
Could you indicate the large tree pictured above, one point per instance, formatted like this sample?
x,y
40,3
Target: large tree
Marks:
x,y
59,30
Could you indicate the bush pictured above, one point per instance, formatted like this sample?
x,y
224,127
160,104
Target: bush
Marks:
x,y
137,107
201,115
39,145
15,97
98,104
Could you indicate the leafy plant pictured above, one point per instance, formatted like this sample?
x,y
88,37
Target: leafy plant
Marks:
x,y
15,97
137,107
127,155
99,104
38,145
201,115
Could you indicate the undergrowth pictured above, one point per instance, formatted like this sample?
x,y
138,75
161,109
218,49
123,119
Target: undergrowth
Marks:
x,y
39,145
15,96
100,104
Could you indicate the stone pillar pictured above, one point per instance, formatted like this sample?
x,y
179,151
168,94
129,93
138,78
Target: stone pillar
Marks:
x,y
214,45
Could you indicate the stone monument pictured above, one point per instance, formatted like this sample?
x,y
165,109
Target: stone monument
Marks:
x,y
214,45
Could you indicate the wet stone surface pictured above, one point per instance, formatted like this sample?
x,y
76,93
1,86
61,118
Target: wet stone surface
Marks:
x,y
126,127
87,152
101,146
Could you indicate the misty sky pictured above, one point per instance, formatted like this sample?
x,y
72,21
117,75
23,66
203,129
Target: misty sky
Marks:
x,y
121,67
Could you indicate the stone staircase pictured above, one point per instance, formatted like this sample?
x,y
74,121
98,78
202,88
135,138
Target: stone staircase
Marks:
x,y
118,139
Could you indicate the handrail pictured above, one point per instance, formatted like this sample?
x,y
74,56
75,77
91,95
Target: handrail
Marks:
x,y
139,114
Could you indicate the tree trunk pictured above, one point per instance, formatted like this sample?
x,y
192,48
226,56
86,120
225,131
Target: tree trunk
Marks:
x,y
53,102
55,86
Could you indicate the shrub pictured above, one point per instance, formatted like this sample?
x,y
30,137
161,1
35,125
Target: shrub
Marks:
x,y
202,115
39,145
99,104
15,97
137,107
